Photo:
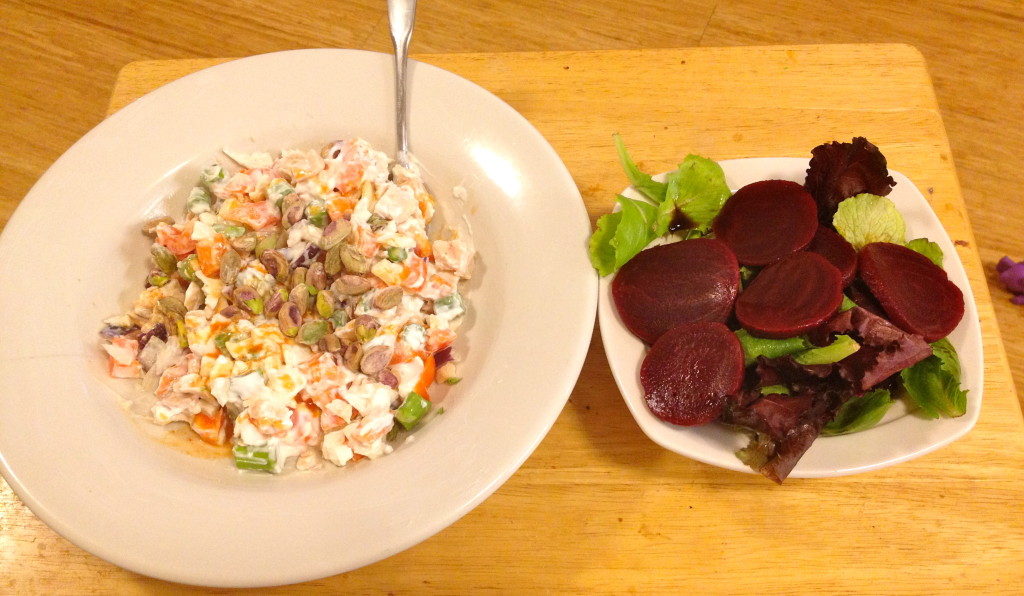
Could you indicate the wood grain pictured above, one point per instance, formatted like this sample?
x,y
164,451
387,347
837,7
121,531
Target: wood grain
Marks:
x,y
598,508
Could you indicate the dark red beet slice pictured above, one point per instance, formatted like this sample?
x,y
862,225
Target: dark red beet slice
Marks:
x,y
766,221
790,297
683,282
690,371
837,250
915,293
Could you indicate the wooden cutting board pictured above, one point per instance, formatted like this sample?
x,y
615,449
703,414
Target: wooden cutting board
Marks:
x,y
599,508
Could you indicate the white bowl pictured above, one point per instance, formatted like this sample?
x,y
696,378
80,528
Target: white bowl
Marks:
x,y
900,436
73,255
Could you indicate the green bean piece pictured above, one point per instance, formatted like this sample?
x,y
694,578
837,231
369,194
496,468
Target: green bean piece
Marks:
x,y
412,410
248,457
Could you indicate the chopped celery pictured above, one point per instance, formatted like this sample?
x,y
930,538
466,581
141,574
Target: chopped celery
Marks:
x,y
248,457
231,231
316,213
212,174
414,335
199,201
412,410
450,305
157,279
221,341
278,190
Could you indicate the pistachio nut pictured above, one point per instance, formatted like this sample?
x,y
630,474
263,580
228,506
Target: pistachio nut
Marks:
x,y
353,261
312,332
375,359
230,265
351,285
276,265
163,258
289,319
334,233
316,276
388,297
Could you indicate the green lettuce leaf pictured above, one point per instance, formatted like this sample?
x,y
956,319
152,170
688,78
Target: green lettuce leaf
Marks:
x,y
927,248
647,186
602,252
867,218
933,384
622,234
769,348
698,189
634,231
665,213
774,390
840,348
860,413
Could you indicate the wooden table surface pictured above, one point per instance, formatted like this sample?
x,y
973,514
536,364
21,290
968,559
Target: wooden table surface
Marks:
x,y
600,508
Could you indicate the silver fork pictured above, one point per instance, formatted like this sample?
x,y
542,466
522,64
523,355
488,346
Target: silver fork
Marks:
x,y
401,16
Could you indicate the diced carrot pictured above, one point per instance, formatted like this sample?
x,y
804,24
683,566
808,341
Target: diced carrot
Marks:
x,y
349,176
209,252
414,273
426,379
423,246
175,240
257,216
339,207
212,429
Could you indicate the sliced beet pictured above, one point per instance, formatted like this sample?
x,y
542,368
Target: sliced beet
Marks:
x,y
837,251
915,293
790,297
765,221
683,282
690,371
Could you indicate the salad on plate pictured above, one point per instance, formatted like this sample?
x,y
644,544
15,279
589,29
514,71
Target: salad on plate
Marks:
x,y
299,312
785,310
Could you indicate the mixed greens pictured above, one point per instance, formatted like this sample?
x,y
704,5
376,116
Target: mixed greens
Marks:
x,y
685,205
